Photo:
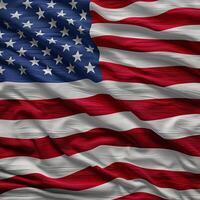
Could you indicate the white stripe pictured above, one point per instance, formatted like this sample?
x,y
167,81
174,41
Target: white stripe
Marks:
x,y
172,128
161,159
87,88
190,33
143,9
114,189
148,59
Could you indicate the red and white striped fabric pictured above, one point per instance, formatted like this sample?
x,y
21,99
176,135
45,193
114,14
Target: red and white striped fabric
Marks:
x,y
135,135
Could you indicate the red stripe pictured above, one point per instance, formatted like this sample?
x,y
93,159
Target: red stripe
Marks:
x,y
140,138
150,109
94,176
170,19
148,45
162,76
117,3
140,196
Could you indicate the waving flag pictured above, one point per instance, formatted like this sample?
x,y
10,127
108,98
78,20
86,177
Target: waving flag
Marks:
x,y
99,99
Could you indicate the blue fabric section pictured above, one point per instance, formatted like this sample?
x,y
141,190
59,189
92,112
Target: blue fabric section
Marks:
x,y
59,72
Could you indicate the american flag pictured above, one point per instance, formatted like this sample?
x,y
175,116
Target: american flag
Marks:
x,y
99,99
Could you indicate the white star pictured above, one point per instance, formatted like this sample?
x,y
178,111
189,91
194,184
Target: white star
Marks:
x,y
83,15
66,47
80,30
27,24
70,69
34,43
27,3
1,70
21,34
1,34
51,4
89,49
58,60
46,52
77,56
70,21
65,32
22,51
61,13
34,61
53,23
77,40
52,41
10,43
39,33
7,25
90,68
1,52
10,61
15,15
73,3
22,70
40,13
3,5
47,71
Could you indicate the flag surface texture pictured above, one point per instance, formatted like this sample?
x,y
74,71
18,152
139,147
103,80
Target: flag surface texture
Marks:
x,y
100,100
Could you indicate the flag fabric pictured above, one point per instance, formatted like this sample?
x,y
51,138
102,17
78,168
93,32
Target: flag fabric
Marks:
x,y
99,99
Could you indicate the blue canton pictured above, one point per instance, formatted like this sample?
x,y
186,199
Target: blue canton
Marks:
x,y
47,41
